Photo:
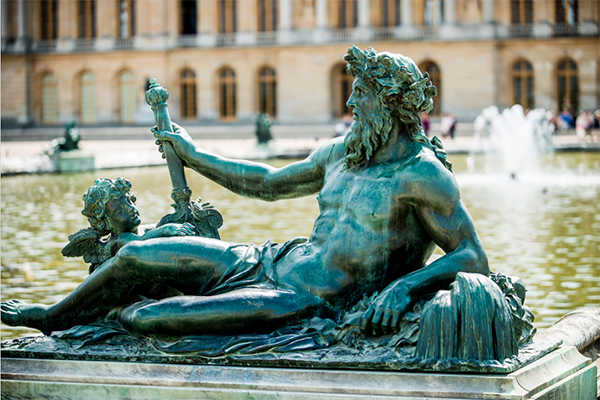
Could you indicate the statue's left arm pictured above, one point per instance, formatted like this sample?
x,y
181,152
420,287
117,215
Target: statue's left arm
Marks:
x,y
442,213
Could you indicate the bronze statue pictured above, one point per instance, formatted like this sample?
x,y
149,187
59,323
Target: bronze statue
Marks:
x,y
387,197
114,222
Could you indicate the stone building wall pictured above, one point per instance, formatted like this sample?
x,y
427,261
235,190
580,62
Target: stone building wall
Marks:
x,y
474,45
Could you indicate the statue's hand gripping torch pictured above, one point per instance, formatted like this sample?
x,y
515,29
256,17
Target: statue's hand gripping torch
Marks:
x,y
203,216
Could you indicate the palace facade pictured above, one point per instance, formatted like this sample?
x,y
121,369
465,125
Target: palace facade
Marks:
x,y
226,60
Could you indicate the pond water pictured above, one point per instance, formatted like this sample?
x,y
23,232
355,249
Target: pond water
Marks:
x,y
543,227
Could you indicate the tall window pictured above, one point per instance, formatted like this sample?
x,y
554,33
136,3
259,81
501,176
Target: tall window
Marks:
x,y
434,12
49,99
188,94
436,78
86,19
388,13
567,85
346,81
566,12
127,100
49,19
347,14
522,83
227,16
521,12
189,17
87,98
227,94
126,19
267,15
267,91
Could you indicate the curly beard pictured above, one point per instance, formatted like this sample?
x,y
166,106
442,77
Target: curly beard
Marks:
x,y
366,135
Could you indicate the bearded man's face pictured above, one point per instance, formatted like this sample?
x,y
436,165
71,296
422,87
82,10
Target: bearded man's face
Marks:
x,y
371,127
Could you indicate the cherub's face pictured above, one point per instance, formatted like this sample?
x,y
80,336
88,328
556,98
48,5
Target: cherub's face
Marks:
x,y
123,214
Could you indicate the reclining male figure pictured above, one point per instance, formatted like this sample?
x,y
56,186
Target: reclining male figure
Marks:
x,y
386,196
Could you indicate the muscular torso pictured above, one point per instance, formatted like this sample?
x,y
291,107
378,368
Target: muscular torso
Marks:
x,y
367,235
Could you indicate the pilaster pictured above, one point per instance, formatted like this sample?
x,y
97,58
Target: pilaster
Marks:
x,y
321,31
449,12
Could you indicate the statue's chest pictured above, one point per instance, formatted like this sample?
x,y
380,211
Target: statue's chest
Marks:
x,y
368,196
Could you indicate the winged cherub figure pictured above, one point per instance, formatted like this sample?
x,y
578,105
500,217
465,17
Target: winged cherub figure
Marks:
x,y
114,221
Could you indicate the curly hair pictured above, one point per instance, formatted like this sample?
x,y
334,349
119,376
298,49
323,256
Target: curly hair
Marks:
x,y
96,197
401,88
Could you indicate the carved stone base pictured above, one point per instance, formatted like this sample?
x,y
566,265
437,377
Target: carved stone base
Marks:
x,y
562,374
75,161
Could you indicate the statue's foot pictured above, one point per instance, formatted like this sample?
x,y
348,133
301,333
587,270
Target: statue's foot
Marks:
x,y
18,313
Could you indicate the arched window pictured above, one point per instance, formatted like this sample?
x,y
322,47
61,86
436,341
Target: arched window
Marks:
x,y
49,99
267,15
87,98
127,100
347,14
522,84
267,91
227,94
49,19
436,78
86,19
189,16
566,12
187,83
227,16
434,12
126,19
521,12
567,85
389,13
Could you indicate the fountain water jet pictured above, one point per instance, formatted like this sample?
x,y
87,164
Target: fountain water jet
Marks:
x,y
518,137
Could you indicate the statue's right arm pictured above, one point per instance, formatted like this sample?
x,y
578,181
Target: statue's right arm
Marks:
x,y
248,178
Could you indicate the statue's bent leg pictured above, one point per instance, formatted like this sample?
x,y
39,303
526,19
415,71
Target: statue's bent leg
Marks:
x,y
182,262
239,311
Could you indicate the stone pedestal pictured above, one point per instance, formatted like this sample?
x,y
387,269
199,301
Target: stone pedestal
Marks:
x,y
75,161
562,374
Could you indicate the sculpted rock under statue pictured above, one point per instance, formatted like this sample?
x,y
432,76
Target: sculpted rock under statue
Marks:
x,y
362,280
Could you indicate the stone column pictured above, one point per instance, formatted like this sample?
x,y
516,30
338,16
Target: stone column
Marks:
x,y
207,27
449,12
488,11
321,14
406,28
106,23
321,17
20,44
4,20
406,12
363,14
363,31
285,21
21,20
285,15
247,22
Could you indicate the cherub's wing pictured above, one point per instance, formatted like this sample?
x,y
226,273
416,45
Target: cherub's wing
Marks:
x,y
87,243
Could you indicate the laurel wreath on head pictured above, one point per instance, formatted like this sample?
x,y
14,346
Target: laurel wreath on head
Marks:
x,y
394,75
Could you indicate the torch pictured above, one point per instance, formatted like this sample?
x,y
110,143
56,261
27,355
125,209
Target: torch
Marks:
x,y
205,218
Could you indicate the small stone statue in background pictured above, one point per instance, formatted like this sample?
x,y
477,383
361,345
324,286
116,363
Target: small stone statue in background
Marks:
x,y
69,142
263,128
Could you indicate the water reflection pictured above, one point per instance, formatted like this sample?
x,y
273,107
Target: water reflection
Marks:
x,y
544,227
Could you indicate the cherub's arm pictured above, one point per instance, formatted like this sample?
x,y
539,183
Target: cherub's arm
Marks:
x,y
167,230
